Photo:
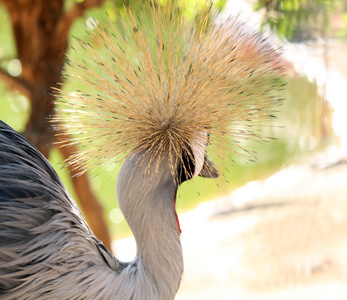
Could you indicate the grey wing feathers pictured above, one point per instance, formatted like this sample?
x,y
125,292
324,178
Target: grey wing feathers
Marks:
x,y
43,235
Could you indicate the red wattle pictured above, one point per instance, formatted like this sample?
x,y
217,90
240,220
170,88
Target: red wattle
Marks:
x,y
178,222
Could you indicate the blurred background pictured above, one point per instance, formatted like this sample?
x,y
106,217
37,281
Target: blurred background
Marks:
x,y
272,229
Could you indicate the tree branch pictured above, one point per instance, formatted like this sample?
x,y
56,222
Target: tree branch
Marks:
x,y
76,11
15,83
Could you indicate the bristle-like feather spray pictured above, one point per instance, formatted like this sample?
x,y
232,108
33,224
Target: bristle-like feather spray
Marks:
x,y
159,83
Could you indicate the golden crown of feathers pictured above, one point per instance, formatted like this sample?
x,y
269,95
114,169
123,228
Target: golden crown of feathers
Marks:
x,y
156,83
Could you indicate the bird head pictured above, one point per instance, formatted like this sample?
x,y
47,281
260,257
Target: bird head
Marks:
x,y
170,88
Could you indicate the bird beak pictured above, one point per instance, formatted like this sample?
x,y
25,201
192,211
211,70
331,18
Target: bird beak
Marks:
x,y
204,167
208,169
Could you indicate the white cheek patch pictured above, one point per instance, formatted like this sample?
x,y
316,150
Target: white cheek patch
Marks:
x,y
198,146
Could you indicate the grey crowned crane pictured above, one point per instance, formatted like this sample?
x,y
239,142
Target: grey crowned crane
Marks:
x,y
158,95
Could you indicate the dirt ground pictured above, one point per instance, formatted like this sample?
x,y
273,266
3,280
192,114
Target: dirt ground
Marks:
x,y
282,238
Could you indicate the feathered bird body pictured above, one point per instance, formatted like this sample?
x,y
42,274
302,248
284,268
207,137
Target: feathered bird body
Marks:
x,y
47,250
161,93
44,239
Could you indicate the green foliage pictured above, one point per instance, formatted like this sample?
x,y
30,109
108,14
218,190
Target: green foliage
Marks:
x,y
298,20
12,105
7,45
14,108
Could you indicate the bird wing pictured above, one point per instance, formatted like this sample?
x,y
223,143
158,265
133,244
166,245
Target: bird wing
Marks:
x,y
43,235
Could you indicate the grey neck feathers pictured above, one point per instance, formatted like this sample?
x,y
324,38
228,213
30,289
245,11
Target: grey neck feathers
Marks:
x,y
147,202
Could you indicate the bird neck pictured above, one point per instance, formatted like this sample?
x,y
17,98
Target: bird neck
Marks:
x,y
148,205
159,252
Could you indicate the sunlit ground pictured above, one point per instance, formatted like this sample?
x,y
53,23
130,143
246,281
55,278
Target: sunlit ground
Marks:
x,y
287,242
